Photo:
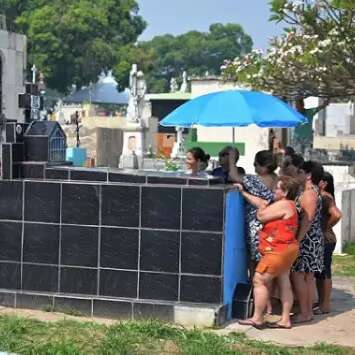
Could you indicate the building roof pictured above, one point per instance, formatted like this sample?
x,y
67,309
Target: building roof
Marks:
x,y
103,92
169,96
42,128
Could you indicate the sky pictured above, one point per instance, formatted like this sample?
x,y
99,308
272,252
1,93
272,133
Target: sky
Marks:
x,y
180,16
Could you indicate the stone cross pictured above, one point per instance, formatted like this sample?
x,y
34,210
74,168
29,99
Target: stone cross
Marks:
x,y
34,71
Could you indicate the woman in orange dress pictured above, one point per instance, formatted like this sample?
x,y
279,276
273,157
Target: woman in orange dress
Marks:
x,y
278,248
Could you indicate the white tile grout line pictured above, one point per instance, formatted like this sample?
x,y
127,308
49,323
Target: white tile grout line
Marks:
x,y
139,240
22,232
99,242
180,243
116,227
113,269
60,235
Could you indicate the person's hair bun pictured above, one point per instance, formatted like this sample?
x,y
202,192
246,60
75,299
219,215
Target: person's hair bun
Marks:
x,y
199,154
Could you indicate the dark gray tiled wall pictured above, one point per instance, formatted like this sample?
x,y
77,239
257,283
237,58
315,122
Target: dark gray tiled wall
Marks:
x,y
11,200
42,202
10,241
80,204
6,163
37,151
161,207
146,242
41,243
119,248
115,212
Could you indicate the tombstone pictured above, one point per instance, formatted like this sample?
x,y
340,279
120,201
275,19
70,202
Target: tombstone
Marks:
x,y
184,85
179,146
133,135
32,102
173,85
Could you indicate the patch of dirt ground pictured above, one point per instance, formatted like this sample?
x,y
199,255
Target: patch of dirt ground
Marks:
x,y
336,327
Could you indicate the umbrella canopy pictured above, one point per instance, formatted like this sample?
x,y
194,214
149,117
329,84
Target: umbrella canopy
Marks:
x,y
234,108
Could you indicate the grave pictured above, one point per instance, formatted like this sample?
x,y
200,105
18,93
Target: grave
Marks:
x,y
123,244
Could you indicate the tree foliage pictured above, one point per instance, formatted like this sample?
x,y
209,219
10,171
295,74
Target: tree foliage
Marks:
x,y
168,56
72,41
315,56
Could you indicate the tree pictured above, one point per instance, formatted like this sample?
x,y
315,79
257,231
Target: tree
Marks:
x,y
72,41
196,52
314,57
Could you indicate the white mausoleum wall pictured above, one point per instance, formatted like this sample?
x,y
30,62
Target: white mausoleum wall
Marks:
x,y
14,61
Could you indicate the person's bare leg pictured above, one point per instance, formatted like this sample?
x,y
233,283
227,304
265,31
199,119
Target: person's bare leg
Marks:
x,y
286,296
271,292
300,285
261,294
327,291
320,290
311,286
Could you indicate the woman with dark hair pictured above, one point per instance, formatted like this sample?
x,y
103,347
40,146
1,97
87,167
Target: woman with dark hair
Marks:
x,y
292,165
331,215
260,185
289,151
197,161
310,237
278,248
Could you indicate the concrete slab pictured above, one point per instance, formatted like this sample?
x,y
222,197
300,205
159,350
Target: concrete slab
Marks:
x,y
334,328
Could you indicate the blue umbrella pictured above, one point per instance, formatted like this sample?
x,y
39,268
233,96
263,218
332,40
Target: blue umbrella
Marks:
x,y
234,108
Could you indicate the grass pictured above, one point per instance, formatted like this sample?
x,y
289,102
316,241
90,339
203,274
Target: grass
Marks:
x,y
349,248
345,265
68,337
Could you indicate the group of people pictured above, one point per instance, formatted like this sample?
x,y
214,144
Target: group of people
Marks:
x,y
289,220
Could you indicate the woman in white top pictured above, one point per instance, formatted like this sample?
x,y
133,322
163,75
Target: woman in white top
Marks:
x,y
197,161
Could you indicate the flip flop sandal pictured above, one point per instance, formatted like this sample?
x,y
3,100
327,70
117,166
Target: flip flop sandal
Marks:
x,y
252,324
277,326
319,312
295,321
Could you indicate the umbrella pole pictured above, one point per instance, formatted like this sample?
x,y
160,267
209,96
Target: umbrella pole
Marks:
x,y
233,134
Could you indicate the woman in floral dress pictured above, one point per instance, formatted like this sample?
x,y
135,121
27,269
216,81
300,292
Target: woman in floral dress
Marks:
x,y
310,237
260,185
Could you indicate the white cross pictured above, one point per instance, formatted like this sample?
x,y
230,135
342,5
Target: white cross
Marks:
x,y
34,70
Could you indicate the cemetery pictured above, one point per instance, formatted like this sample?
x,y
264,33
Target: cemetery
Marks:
x,y
110,242
103,215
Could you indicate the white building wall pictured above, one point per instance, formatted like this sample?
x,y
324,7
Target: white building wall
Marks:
x,y
13,55
338,118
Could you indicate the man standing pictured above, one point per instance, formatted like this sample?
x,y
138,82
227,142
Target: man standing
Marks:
x,y
228,158
303,133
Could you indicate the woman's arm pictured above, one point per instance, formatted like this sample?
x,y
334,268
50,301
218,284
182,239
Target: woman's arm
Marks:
x,y
257,202
334,215
309,207
233,175
333,211
277,210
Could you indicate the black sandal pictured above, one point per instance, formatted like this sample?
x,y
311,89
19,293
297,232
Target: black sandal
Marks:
x,y
276,325
252,324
